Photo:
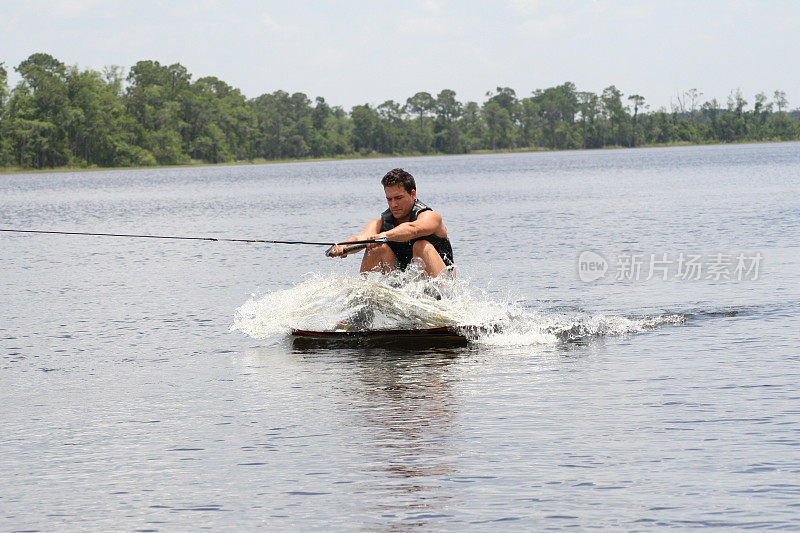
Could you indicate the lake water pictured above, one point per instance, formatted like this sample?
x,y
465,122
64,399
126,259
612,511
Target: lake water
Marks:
x,y
150,385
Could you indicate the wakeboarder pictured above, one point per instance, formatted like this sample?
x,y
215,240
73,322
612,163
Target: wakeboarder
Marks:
x,y
415,232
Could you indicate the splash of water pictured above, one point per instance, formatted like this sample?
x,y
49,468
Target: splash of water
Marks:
x,y
407,300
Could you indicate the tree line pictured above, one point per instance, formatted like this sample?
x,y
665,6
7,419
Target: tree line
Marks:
x,y
59,115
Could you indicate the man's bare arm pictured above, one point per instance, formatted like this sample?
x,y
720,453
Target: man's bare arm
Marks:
x,y
426,224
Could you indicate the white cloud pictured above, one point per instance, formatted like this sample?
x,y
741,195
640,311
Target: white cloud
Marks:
x,y
545,27
329,57
433,6
269,23
524,6
426,26
75,8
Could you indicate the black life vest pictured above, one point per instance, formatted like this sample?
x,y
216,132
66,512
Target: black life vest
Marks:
x,y
403,251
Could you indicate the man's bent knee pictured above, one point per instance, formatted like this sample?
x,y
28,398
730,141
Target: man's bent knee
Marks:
x,y
380,258
419,248
381,250
427,254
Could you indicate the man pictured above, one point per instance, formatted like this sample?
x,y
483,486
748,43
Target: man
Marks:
x,y
415,231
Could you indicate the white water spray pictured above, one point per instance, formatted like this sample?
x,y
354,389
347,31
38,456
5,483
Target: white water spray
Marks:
x,y
408,300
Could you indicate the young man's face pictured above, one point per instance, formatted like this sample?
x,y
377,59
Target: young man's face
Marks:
x,y
400,201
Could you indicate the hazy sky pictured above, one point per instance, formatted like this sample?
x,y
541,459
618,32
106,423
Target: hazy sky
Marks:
x,y
355,52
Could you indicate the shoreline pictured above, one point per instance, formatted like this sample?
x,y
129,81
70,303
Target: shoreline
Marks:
x,y
349,157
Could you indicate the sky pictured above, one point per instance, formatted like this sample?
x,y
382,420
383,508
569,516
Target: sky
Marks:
x,y
357,52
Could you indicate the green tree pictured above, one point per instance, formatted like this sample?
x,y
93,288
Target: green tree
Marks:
x,y
589,109
320,113
506,98
338,133
155,98
638,101
472,126
39,105
365,126
736,102
781,125
780,100
393,135
757,127
95,119
219,122
5,142
3,86
32,139
710,111
531,122
615,113
557,108
280,119
421,105
693,97
448,111
498,125
734,123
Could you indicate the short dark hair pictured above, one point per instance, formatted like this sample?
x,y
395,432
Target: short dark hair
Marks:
x,y
398,176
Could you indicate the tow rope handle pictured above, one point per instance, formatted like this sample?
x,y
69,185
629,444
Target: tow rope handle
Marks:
x,y
346,249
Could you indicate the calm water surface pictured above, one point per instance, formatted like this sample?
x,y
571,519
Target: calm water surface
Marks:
x,y
127,403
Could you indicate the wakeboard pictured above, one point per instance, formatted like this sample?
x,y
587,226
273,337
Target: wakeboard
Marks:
x,y
400,338
444,332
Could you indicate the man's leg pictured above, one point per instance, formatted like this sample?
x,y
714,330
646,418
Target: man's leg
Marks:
x,y
381,259
430,258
